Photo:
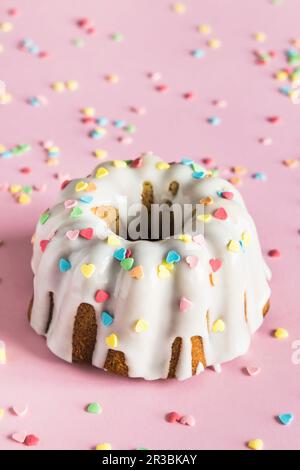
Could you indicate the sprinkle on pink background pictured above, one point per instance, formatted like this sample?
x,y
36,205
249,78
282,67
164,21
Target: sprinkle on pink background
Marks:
x,y
229,408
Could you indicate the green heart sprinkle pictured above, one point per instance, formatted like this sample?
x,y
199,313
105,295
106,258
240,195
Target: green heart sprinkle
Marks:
x,y
94,408
127,263
76,212
44,217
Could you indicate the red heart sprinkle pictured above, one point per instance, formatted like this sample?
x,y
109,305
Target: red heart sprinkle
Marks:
x,y
220,214
274,253
227,195
87,233
31,440
101,296
128,253
173,417
215,264
43,245
137,163
64,184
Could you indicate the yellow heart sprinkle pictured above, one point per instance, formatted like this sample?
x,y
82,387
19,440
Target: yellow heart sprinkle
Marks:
x,y
119,163
185,238
246,238
281,333
233,246
218,326
100,153
104,446
256,444
15,188
89,112
137,272
170,266
1,413
101,172
112,340
88,270
59,86
112,240
81,186
162,165
140,326
162,272
24,199
204,218
205,29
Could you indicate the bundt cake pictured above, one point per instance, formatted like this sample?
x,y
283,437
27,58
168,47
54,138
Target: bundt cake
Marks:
x,y
152,307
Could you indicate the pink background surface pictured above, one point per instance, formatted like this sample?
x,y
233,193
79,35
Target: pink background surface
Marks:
x,y
230,408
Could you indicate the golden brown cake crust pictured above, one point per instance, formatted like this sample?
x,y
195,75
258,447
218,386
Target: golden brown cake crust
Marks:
x,y
176,348
84,334
115,362
197,353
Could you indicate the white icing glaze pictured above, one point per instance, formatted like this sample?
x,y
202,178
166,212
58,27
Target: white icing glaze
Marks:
x,y
152,299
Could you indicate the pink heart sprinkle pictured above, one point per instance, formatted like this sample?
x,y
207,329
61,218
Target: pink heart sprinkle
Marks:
x,y
19,411
185,304
199,239
101,296
220,214
192,261
19,437
31,440
87,233
252,371
173,417
215,264
70,203
72,234
188,420
227,195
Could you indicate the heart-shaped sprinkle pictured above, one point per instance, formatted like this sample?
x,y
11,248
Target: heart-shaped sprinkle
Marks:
x,y
19,437
192,261
137,272
106,318
43,245
187,420
141,325
285,418
86,199
128,253
101,172
101,296
218,326
280,333
87,270
170,267
205,218
185,238
198,175
215,264
72,234
220,214
162,272
127,263
162,166
173,417
31,440
137,163
120,254
246,239
94,408
274,253
173,257
112,340
227,195
81,186
256,444
199,239
185,304
233,246
18,411
206,201
87,233
104,446
112,240
252,370
44,217
91,187
70,203
64,265
76,212
64,184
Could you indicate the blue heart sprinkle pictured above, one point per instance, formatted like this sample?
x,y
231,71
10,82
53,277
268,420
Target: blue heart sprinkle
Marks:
x,y
106,318
186,161
120,254
64,265
173,257
286,418
86,199
198,175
